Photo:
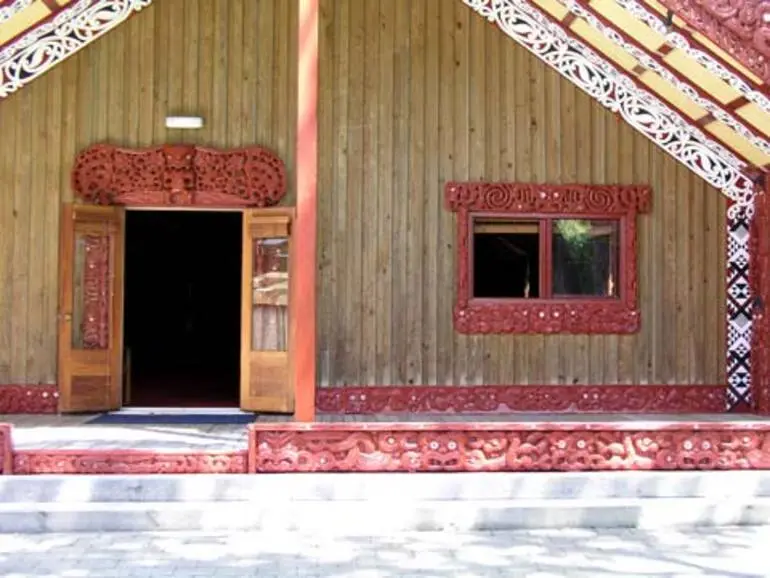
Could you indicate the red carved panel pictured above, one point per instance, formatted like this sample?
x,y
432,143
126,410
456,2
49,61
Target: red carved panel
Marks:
x,y
739,27
548,315
6,449
507,447
179,175
26,462
37,399
641,399
96,298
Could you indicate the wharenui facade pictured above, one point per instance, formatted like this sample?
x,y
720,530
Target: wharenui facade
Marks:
x,y
401,210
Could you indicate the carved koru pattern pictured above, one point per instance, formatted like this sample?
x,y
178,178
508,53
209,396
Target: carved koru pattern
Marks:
x,y
644,399
503,448
179,175
28,399
27,462
96,301
543,316
739,27
6,449
57,38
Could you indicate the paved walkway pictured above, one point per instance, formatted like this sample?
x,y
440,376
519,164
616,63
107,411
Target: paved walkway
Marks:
x,y
729,553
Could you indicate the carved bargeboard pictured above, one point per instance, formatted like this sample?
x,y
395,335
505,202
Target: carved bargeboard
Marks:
x,y
179,175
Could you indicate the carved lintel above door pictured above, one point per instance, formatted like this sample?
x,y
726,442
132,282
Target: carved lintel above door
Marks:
x,y
179,175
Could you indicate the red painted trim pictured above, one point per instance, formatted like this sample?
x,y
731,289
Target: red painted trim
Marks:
x,y
759,262
427,399
430,399
179,175
303,286
35,399
441,447
29,462
6,449
526,201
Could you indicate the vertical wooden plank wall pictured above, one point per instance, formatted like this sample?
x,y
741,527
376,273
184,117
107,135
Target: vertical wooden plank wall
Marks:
x,y
417,93
232,62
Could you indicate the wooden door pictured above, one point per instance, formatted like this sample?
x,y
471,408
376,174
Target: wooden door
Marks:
x,y
265,310
91,254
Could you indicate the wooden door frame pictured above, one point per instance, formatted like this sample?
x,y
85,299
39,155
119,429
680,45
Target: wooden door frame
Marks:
x,y
190,177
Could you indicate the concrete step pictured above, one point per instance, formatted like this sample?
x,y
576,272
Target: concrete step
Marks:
x,y
383,487
376,517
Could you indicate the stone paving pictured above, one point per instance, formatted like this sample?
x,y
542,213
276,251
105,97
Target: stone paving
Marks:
x,y
725,552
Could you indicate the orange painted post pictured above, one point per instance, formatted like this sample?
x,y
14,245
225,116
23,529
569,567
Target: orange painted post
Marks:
x,y
303,291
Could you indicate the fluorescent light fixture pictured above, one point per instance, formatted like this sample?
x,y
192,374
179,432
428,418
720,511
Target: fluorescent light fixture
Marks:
x,y
186,122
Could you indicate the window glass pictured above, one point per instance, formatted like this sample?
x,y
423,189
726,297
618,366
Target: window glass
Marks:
x,y
506,259
270,295
584,258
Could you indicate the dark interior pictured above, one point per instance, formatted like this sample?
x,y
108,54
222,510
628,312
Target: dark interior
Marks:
x,y
182,308
504,263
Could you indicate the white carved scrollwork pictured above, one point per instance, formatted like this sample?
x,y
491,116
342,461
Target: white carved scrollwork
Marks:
x,y
644,58
73,28
655,21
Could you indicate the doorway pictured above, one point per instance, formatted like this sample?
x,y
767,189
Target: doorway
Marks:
x,y
182,308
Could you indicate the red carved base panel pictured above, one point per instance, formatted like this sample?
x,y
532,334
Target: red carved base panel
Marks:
x,y
506,447
6,455
29,399
523,398
127,462
546,318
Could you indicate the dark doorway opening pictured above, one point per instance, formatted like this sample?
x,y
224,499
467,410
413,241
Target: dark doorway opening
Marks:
x,y
182,308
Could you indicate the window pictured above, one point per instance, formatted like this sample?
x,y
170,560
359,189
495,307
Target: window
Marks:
x,y
546,258
513,258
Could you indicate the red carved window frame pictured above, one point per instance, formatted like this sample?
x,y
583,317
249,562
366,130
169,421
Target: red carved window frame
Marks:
x,y
533,202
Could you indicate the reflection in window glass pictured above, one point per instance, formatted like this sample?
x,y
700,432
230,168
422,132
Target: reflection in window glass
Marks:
x,y
270,295
585,258
506,259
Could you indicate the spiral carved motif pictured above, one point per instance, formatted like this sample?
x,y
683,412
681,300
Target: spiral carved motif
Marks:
x,y
179,175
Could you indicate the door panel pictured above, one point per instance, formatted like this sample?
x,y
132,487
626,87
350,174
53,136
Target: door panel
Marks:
x,y
90,307
265,310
